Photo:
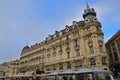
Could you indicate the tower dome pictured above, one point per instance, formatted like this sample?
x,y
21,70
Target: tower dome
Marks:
x,y
89,11
25,48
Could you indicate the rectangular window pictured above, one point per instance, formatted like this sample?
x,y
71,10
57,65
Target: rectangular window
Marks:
x,y
92,61
60,56
115,56
100,49
91,50
104,61
67,37
89,39
60,49
68,46
68,55
54,57
68,65
77,53
60,66
48,68
78,64
54,67
76,43
48,59
113,48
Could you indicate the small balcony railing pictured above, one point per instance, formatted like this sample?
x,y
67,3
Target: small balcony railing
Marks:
x,y
77,46
90,43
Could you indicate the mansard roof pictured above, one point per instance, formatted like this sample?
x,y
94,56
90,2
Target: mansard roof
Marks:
x,y
26,48
67,29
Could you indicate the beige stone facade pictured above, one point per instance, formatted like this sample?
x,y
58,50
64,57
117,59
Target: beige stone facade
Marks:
x,y
80,45
113,48
13,68
2,71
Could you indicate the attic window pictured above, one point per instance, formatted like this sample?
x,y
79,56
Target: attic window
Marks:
x,y
87,20
75,26
54,36
60,33
49,38
67,29
95,19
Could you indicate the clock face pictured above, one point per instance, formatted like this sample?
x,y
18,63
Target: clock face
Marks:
x,y
90,18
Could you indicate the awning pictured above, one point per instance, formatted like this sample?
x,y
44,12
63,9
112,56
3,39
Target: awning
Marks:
x,y
99,70
66,72
88,70
85,70
53,73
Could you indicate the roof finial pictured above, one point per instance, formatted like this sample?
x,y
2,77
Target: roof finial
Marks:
x,y
87,6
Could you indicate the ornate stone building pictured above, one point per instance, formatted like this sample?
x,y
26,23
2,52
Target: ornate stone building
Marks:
x,y
80,45
3,70
13,68
113,48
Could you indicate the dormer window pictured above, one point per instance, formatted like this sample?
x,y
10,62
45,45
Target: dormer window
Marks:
x,y
87,20
49,38
54,36
74,24
67,28
60,33
94,19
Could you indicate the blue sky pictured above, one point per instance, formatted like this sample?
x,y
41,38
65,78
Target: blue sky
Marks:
x,y
31,21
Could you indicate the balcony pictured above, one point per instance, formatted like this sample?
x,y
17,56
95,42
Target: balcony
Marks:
x,y
76,67
75,37
90,43
67,39
48,69
69,66
77,47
